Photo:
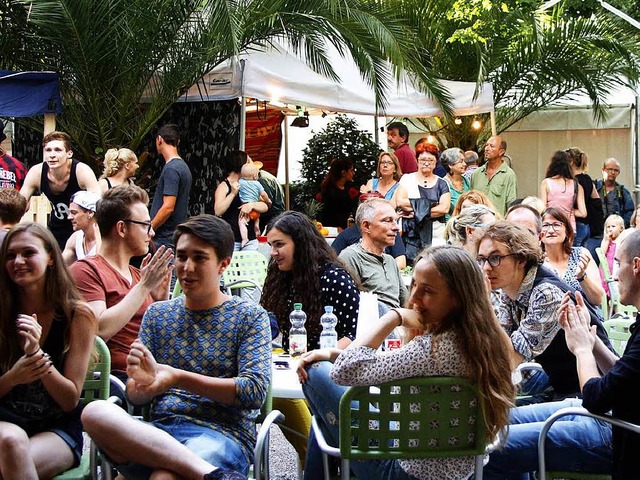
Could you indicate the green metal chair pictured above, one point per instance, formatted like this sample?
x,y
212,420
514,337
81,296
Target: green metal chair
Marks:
x,y
402,423
96,387
248,269
618,331
571,411
614,304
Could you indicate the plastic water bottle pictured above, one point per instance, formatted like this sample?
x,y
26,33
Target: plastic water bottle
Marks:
x,y
329,336
297,334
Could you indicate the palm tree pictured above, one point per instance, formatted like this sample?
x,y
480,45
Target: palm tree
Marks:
x,y
111,54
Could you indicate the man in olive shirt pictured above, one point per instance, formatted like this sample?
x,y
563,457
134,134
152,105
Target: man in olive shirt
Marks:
x,y
495,178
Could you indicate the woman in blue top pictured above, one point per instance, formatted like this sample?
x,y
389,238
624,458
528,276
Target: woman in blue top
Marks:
x,y
387,183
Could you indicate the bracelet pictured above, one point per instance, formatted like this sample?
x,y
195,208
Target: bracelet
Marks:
x,y
32,354
399,316
582,277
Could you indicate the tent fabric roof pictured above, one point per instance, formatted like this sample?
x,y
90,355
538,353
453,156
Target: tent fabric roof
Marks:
x,y
26,94
282,78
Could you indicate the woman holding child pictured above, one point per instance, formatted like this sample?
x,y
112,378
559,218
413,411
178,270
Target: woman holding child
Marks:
x,y
46,338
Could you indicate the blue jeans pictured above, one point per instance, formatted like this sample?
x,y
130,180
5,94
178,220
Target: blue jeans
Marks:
x,y
323,396
582,233
250,245
574,443
214,447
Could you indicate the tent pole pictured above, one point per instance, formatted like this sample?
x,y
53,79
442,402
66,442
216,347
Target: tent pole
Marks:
x,y
376,136
243,122
286,162
494,131
49,123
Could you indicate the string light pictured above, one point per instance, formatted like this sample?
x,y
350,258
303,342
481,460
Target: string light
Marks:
x,y
476,124
458,121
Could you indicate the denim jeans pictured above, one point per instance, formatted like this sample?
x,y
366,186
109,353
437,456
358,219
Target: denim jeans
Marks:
x,y
323,396
582,233
574,443
214,447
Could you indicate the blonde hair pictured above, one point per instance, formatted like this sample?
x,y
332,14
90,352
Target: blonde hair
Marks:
x,y
474,196
398,173
115,159
615,220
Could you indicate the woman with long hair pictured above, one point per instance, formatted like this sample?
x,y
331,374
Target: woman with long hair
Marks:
x,y
305,269
459,336
337,194
388,176
573,264
592,224
561,190
46,338
120,165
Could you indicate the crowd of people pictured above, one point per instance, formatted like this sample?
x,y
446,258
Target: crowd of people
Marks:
x,y
496,281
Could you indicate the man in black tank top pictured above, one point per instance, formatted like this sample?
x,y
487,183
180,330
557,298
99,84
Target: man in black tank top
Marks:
x,y
59,177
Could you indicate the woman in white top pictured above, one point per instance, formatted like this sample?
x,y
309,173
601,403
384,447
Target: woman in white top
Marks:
x,y
424,200
85,239
459,335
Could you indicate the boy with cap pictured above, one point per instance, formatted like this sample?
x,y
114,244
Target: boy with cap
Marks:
x,y
85,239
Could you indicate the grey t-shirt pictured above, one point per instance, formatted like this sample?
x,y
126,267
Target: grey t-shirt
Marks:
x,y
175,181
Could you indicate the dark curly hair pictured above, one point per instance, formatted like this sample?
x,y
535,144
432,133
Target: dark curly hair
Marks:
x,y
559,165
310,256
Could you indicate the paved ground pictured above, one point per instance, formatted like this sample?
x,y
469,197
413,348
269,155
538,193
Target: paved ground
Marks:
x,y
282,457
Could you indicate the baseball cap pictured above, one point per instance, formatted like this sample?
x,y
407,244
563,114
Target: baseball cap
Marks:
x,y
86,200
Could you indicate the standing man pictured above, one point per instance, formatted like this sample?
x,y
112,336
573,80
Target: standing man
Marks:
x,y
366,261
616,199
171,200
12,170
397,138
203,360
495,178
59,176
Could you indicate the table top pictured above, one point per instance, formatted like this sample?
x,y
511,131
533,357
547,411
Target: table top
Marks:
x,y
284,381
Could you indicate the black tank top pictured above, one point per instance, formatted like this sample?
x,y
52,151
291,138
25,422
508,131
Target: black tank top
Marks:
x,y
231,217
59,224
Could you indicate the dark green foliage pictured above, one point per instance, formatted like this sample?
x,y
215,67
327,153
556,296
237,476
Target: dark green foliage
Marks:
x,y
340,139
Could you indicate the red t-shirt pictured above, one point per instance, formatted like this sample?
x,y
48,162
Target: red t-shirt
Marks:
x,y
12,172
97,280
407,159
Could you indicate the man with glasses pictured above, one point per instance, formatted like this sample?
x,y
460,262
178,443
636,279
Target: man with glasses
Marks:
x,y
531,296
616,199
117,292
495,178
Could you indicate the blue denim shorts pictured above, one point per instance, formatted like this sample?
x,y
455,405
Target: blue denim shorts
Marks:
x,y
214,447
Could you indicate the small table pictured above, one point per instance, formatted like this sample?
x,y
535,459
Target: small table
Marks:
x,y
284,381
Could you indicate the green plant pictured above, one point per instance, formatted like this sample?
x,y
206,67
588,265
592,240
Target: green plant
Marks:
x,y
341,138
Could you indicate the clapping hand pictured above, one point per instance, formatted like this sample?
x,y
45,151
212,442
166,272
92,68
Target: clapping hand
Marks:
x,y
28,369
576,322
141,366
29,332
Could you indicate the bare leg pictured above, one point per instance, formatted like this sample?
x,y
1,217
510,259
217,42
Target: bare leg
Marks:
x,y
15,457
125,439
244,231
50,454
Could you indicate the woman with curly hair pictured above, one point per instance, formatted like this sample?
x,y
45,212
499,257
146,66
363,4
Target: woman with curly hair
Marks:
x,y
305,269
46,338
120,165
458,335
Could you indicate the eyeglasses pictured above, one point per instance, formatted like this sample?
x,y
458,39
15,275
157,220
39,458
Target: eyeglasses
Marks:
x,y
426,160
554,226
386,162
612,170
493,260
137,222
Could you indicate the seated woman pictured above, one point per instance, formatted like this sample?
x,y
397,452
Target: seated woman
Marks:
x,y
573,264
472,197
460,336
388,177
46,338
120,165
338,197
305,269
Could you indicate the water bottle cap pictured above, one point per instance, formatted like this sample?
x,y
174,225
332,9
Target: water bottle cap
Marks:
x,y
297,306
328,309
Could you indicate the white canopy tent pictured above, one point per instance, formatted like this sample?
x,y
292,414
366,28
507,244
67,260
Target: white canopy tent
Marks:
x,y
284,80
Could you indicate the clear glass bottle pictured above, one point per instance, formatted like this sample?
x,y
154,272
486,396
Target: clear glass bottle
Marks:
x,y
329,336
297,334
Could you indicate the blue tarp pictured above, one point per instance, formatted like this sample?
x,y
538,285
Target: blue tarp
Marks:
x,y
26,94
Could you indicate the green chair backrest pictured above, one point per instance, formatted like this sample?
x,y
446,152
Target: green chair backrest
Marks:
x,y
96,383
604,265
412,418
246,265
618,331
